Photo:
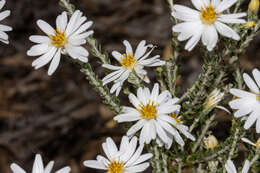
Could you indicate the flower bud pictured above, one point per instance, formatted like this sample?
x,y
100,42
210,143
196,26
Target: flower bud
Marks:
x,y
254,5
210,142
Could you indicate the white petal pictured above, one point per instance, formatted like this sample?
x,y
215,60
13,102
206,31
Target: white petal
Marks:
x,y
134,100
225,4
49,167
64,170
55,62
2,3
230,167
117,55
128,46
250,83
140,50
258,125
44,59
256,74
45,27
39,39
251,119
226,31
193,41
248,141
4,14
128,117
246,167
198,4
137,168
240,93
162,134
185,14
38,165
210,37
72,22
5,28
136,127
94,164
16,168
38,49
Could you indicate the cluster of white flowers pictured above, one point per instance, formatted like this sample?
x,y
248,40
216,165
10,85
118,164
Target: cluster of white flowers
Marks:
x,y
155,113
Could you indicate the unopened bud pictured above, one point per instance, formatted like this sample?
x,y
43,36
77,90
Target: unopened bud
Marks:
x,y
210,142
254,5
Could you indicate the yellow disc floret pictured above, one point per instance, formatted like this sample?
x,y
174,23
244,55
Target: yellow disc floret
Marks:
x,y
59,40
116,167
128,61
208,15
174,116
148,111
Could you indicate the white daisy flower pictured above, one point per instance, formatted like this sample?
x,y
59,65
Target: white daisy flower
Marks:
x,y
152,112
127,159
131,62
257,144
38,167
230,167
67,38
205,22
4,28
248,102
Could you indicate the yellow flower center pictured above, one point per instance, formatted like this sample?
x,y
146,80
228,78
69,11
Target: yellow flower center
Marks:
x,y
257,144
116,167
250,24
258,98
174,116
59,40
208,15
148,111
128,61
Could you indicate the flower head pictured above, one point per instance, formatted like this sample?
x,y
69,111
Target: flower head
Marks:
x,y
131,62
210,142
248,102
4,28
67,38
205,22
127,158
38,167
214,98
230,167
152,112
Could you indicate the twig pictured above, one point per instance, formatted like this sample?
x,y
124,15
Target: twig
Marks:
x,y
203,133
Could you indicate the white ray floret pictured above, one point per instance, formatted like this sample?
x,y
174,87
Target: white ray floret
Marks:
x,y
4,28
257,144
131,62
205,22
247,103
127,159
230,167
67,38
38,167
152,112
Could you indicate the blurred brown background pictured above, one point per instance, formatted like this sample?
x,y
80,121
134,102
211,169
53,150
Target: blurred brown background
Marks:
x,y
61,117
